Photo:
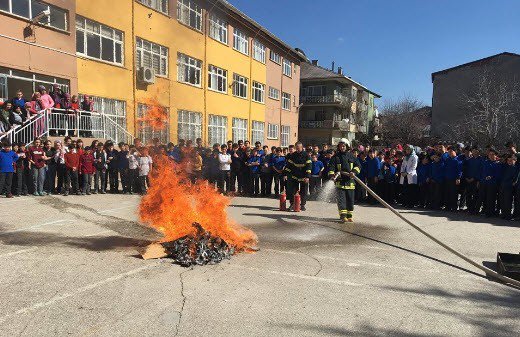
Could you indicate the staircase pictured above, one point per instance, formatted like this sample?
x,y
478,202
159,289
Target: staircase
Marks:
x,y
60,123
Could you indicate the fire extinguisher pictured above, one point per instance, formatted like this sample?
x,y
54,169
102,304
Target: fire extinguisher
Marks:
x,y
283,202
297,202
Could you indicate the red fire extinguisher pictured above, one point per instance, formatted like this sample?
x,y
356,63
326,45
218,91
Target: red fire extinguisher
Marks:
x,y
283,202
297,202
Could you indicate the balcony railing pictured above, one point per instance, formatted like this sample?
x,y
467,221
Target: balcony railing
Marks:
x,y
327,124
329,99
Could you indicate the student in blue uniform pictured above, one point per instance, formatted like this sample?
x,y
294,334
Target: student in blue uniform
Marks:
x,y
507,182
453,174
373,166
423,174
436,180
316,173
488,184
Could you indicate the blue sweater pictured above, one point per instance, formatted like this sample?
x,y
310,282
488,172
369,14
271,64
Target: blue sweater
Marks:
x,y
373,166
317,166
437,171
388,171
490,169
509,175
7,159
423,173
364,168
255,169
453,168
473,167
278,162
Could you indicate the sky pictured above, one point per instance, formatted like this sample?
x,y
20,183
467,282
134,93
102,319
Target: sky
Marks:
x,y
392,46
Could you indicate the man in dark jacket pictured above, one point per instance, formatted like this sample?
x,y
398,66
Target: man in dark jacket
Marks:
x,y
342,168
297,172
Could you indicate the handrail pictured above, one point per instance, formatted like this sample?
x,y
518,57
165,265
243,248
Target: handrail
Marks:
x,y
120,128
31,120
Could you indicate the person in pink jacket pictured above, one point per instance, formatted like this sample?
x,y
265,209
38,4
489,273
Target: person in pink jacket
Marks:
x,y
46,99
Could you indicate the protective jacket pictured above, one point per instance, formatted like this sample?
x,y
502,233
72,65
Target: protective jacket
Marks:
x,y
344,162
299,166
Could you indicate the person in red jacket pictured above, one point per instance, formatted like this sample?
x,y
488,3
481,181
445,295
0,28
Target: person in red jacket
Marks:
x,y
37,158
72,165
87,169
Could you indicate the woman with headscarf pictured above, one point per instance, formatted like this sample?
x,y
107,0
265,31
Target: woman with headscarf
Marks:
x,y
70,116
57,96
409,177
46,100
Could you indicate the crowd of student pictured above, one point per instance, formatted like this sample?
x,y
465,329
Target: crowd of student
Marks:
x,y
18,111
439,177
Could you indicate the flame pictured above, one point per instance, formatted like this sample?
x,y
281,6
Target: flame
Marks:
x,y
156,116
173,204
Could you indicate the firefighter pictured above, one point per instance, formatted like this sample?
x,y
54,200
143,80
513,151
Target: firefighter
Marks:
x,y
342,169
297,172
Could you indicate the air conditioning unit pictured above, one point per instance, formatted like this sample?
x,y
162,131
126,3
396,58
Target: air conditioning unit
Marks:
x,y
146,75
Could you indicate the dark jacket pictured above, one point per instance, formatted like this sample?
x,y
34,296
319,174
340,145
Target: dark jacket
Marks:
x,y
299,166
453,168
344,162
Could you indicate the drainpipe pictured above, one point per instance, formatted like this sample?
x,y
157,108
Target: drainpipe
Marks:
x,y
251,60
134,72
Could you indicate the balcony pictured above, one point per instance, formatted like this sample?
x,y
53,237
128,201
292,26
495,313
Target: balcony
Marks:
x,y
329,99
327,124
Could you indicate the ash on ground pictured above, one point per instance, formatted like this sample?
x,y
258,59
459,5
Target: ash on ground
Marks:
x,y
199,249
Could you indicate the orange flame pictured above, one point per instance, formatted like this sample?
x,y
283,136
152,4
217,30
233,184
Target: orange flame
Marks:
x,y
155,116
173,204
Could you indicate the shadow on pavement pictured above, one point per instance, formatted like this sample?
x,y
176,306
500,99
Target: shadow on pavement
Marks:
x,y
461,216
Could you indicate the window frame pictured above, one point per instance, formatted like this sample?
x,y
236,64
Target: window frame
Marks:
x,y
256,131
275,57
239,80
222,126
239,132
240,36
216,76
194,120
190,6
259,51
273,89
287,68
285,135
273,131
115,41
50,7
145,131
184,60
140,50
221,26
258,88
159,3
286,97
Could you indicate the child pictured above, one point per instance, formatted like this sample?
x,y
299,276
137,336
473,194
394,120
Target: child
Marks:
x,y
87,169
72,164
278,164
509,177
423,173
254,167
224,160
112,167
436,180
389,174
316,173
360,193
489,180
453,174
8,159
133,169
373,166
100,163
145,164
22,170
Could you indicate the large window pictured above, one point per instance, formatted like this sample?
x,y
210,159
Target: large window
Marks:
x,y
189,13
272,131
239,86
315,90
274,93
240,41
146,132
152,55
275,57
98,41
113,109
12,80
188,69
239,129
257,131
158,5
189,125
218,28
258,51
286,135
29,9
287,68
286,101
258,92
217,129
217,79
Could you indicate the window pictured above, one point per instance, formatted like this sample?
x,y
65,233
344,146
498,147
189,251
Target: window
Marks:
x,y
272,131
240,41
217,79
29,9
217,129
287,68
189,13
98,41
258,92
146,132
218,29
152,55
258,51
158,5
275,57
257,132
239,129
286,135
239,86
188,69
113,109
315,90
189,125
274,93
286,101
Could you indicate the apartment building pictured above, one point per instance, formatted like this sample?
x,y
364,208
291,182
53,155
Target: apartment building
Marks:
x,y
334,106
219,74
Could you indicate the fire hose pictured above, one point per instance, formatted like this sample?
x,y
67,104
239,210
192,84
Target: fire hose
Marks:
x,y
489,272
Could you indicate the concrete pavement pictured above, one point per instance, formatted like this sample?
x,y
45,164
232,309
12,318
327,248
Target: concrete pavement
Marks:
x,y
69,267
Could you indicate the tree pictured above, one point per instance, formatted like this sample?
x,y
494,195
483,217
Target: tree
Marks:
x,y
492,107
404,121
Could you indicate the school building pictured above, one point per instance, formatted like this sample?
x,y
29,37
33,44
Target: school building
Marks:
x,y
220,74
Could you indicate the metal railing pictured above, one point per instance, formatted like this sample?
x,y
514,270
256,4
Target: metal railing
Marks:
x,y
61,122
329,99
316,124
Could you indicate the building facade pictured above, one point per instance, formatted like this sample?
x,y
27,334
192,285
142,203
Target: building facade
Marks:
x,y
451,85
333,106
214,69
